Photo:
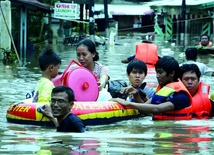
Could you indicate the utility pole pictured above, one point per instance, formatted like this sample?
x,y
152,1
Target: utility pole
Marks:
x,y
183,14
91,20
213,24
106,18
81,19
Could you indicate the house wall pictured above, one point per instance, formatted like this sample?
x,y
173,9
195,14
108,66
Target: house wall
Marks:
x,y
127,23
5,25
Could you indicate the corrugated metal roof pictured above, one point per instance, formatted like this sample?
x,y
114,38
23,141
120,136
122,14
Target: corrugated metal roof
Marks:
x,y
32,4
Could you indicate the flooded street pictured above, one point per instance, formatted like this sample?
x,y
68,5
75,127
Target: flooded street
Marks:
x,y
139,136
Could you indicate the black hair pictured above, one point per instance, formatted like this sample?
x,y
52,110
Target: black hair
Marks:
x,y
168,64
91,47
191,54
48,57
137,65
205,35
67,90
193,68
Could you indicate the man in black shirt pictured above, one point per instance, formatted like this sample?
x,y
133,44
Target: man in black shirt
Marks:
x,y
59,110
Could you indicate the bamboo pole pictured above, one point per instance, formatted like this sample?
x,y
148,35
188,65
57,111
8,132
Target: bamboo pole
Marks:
x,y
11,37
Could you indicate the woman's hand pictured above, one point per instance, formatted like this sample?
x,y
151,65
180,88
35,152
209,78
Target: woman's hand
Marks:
x,y
102,81
99,86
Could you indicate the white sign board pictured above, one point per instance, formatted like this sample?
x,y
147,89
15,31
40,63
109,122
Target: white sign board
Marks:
x,y
66,10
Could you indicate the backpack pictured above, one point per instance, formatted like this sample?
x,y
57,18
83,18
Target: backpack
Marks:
x,y
114,88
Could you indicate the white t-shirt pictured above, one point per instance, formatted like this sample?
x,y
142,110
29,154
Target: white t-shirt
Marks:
x,y
204,69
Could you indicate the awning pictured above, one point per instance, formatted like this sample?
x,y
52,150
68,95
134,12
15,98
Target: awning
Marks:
x,y
32,4
178,3
114,9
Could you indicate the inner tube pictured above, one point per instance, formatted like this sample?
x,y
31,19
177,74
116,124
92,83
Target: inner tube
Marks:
x,y
91,113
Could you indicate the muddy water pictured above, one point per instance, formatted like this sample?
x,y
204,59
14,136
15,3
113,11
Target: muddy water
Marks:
x,y
139,136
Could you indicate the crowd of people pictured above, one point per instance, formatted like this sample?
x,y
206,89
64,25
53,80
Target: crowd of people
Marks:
x,y
179,95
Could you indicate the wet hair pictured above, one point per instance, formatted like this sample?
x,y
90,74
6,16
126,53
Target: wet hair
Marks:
x,y
191,53
48,57
91,47
67,90
205,35
137,65
193,68
168,64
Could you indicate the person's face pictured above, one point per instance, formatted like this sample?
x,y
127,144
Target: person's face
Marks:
x,y
190,80
55,70
204,40
136,77
163,78
84,56
60,105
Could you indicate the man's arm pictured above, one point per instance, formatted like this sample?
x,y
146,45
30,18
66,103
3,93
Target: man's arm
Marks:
x,y
176,101
153,108
48,113
207,71
147,107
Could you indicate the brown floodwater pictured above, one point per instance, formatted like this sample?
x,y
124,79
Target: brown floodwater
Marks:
x,y
136,136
